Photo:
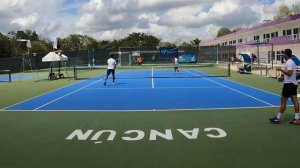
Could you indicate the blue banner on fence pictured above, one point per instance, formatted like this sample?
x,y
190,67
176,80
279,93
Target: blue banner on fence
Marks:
x,y
168,52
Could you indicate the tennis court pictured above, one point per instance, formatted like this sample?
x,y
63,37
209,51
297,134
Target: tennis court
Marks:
x,y
147,90
37,117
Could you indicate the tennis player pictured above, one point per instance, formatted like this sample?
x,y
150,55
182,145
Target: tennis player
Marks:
x,y
139,60
176,64
289,88
111,66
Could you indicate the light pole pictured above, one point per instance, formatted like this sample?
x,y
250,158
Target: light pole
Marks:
x,y
140,44
217,55
120,57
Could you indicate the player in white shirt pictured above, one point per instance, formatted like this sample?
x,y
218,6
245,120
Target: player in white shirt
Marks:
x,y
176,64
111,66
289,88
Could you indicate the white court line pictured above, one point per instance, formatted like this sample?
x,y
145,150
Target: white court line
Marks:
x,y
145,88
152,78
249,86
143,110
51,92
252,87
67,95
234,90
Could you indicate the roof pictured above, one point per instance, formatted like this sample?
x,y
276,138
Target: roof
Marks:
x,y
54,57
246,58
261,26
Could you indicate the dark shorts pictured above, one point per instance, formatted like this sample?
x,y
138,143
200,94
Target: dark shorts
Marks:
x,y
289,89
109,71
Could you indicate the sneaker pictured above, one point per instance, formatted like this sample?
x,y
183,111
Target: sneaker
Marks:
x,y
275,120
295,122
104,84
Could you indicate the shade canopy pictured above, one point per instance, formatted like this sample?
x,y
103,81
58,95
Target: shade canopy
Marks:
x,y
296,60
245,58
54,57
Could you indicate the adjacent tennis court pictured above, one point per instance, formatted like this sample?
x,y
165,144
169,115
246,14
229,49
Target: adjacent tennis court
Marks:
x,y
147,90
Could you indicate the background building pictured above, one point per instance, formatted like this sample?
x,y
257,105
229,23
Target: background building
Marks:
x,y
261,40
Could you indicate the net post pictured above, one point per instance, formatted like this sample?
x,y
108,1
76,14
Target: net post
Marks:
x,y
9,74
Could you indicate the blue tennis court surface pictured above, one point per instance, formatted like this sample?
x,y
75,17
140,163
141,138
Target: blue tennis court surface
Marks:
x,y
18,77
133,92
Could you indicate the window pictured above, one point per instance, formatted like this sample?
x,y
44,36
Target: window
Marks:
x,y
240,40
296,31
274,34
289,32
284,33
256,37
278,55
267,37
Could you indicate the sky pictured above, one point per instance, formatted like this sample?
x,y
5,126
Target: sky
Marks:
x,y
169,20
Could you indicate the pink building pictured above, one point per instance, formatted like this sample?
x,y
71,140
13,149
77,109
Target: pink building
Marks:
x,y
262,39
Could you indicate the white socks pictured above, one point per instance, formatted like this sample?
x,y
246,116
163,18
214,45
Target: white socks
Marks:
x,y
279,115
297,116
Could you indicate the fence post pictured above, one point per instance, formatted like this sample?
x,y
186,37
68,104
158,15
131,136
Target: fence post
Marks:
x,y
75,73
229,70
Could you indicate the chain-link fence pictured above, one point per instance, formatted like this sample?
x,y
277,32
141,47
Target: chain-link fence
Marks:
x,y
125,56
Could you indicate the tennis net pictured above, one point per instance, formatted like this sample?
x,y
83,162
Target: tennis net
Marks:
x,y
5,76
155,71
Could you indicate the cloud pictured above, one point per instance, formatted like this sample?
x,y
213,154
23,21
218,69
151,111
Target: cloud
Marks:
x,y
25,22
109,19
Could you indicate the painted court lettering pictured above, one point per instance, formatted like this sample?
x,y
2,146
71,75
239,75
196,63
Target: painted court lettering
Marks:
x,y
138,135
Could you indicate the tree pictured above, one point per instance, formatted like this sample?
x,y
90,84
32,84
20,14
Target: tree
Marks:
x,y
139,39
167,44
5,46
104,44
76,42
186,44
223,31
39,47
284,11
237,29
22,35
195,42
296,9
32,36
